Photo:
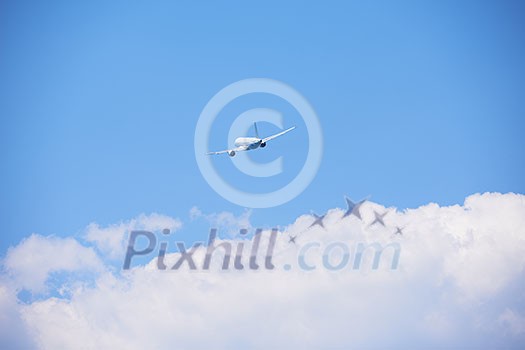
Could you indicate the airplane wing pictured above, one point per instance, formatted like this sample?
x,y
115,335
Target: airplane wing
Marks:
x,y
277,135
218,152
237,149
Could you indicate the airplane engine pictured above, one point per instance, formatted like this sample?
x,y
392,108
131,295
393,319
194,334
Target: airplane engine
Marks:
x,y
231,153
263,144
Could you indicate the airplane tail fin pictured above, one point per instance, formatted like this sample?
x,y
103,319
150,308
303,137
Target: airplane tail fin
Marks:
x,y
256,131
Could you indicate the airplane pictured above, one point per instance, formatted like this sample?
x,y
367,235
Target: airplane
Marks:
x,y
249,143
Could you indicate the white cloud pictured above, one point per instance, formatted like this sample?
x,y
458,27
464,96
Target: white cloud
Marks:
x,y
225,221
111,240
459,284
31,263
13,330
513,321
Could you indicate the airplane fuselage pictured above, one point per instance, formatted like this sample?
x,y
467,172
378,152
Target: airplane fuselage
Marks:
x,y
251,142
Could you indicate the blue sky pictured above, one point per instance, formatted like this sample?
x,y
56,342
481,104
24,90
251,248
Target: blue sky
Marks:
x,y
418,101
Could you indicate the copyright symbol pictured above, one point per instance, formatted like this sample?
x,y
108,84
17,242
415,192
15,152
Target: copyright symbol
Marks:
x,y
244,164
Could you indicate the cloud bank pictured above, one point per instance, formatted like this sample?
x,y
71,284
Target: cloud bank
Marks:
x,y
460,283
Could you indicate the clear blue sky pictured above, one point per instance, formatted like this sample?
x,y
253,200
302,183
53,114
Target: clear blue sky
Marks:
x,y
420,101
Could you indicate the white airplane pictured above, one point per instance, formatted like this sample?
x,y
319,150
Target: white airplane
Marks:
x,y
248,143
